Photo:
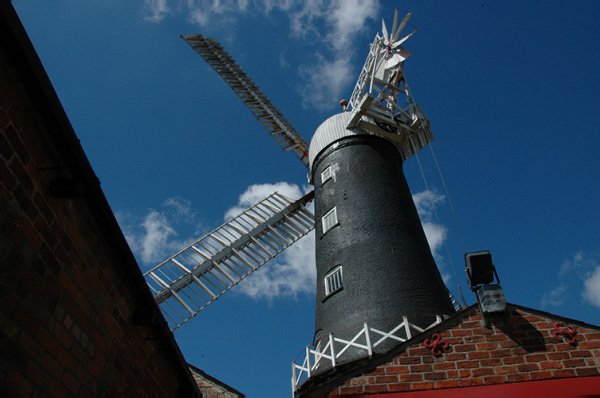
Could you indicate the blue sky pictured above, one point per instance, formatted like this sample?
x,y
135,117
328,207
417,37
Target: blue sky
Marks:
x,y
511,90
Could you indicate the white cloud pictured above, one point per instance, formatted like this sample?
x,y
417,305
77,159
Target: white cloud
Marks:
x,y
199,17
333,24
257,192
435,237
283,63
215,12
156,10
426,201
570,266
324,82
180,208
579,275
555,297
325,79
303,20
336,22
349,18
291,273
152,238
591,287
156,237
225,13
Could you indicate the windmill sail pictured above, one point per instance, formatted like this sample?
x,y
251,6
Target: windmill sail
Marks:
x,y
261,107
192,279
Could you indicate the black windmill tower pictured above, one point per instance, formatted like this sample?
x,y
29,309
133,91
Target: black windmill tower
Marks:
x,y
377,282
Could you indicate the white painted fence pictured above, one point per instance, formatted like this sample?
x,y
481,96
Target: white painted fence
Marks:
x,y
315,358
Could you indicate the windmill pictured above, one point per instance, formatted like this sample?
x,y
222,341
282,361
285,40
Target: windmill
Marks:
x,y
375,270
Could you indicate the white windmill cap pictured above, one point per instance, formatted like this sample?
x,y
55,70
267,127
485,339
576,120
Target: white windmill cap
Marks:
x,y
330,131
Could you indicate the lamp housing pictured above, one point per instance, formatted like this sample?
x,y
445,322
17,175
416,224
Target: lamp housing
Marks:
x,y
480,269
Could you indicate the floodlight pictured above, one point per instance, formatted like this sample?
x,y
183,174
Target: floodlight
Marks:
x,y
480,274
480,269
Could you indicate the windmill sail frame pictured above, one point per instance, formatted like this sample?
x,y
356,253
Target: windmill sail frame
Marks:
x,y
192,279
255,100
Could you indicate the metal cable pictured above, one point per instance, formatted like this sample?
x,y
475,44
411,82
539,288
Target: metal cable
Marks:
x,y
462,238
462,298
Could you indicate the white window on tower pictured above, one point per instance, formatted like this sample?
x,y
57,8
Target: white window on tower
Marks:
x,y
333,281
329,220
326,175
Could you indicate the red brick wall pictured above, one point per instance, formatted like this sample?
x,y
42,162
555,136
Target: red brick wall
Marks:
x,y
66,297
520,347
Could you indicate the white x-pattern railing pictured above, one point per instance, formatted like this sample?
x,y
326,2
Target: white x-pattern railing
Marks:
x,y
367,339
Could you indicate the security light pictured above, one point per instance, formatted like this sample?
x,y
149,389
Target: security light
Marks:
x,y
480,274
480,269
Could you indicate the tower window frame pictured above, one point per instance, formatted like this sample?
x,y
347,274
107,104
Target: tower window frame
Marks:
x,y
326,175
334,281
329,220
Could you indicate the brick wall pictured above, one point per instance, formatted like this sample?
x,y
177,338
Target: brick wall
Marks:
x,y
518,347
211,387
69,286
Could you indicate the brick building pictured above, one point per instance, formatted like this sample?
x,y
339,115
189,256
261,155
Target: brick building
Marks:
x,y
519,353
211,387
76,316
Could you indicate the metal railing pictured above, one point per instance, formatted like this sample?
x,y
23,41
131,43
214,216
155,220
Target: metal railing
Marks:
x,y
382,102
367,340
